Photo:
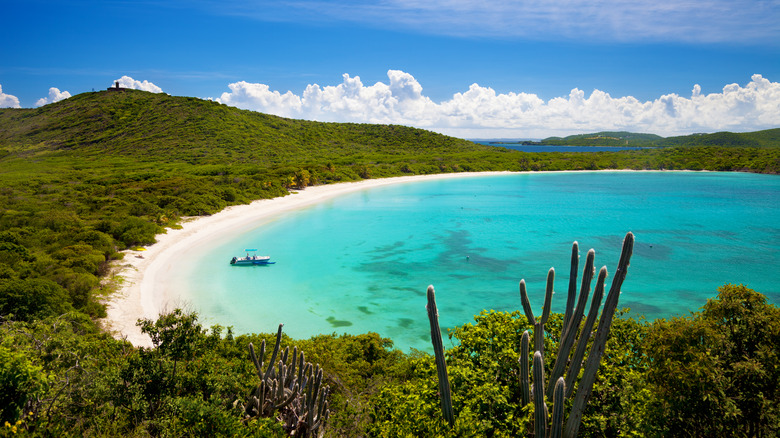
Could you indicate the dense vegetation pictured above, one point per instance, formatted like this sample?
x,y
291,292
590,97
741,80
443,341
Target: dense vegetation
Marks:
x,y
769,138
713,373
605,138
85,178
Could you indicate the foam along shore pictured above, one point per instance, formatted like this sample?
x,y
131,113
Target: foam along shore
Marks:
x,y
145,288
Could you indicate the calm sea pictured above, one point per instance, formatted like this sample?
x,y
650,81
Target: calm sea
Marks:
x,y
362,262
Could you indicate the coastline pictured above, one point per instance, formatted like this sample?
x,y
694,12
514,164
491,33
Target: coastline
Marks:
x,y
145,292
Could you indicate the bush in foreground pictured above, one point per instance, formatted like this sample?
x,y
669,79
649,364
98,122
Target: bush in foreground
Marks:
x,y
713,373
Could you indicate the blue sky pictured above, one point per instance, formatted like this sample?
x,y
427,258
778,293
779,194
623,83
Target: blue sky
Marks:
x,y
474,69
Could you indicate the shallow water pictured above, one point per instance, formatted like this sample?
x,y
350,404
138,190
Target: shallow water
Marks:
x,y
362,262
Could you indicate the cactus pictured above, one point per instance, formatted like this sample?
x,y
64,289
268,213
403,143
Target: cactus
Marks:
x,y
293,390
564,386
538,323
579,353
599,341
525,384
575,260
540,407
441,365
559,394
572,324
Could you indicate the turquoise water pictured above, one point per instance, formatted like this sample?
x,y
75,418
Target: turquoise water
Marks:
x,y
362,262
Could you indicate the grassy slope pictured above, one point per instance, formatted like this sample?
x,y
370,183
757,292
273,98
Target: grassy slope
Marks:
x,y
196,131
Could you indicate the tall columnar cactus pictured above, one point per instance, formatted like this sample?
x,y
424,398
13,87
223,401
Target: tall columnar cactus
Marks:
x,y
441,365
571,335
557,417
540,407
576,360
575,260
294,390
525,384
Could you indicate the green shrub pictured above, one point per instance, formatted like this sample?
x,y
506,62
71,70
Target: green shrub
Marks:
x,y
715,373
34,298
19,381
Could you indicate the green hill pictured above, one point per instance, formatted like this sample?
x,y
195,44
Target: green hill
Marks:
x,y
197,131
769,138
605,138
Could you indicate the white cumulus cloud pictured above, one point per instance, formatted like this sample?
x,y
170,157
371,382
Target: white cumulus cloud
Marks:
x,y
399,101
8,100
128,82
55,95
480,112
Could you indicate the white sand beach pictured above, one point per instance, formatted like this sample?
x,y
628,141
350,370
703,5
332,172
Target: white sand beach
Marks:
x,y
146,289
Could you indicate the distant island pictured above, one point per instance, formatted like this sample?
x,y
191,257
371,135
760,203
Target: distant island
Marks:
x,y
762,139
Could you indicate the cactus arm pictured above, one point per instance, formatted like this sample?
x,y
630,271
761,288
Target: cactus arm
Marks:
x,y
290,379
275,353
582,345
548,295
301,367
255,361
529,314
323,411
582,300
539,338
441,365
290,397
600,340
540,408
557,415
575,261
315,394
525,384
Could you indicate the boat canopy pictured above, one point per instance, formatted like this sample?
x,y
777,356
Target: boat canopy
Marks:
x,y
250,249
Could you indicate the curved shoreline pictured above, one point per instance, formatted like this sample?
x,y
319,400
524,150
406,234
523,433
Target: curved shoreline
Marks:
x,y
144,289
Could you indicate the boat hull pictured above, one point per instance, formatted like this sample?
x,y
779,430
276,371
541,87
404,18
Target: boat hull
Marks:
x,y
251,261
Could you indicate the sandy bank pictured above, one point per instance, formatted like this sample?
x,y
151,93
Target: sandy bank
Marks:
x,y
145,287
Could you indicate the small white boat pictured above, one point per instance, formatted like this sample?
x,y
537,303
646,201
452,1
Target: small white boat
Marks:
x,y
251,259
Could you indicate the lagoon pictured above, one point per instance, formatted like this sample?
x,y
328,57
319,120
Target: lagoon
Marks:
x,y
361,262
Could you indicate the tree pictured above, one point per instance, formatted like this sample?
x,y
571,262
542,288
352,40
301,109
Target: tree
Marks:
x,y
302,178
33,298
715,373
